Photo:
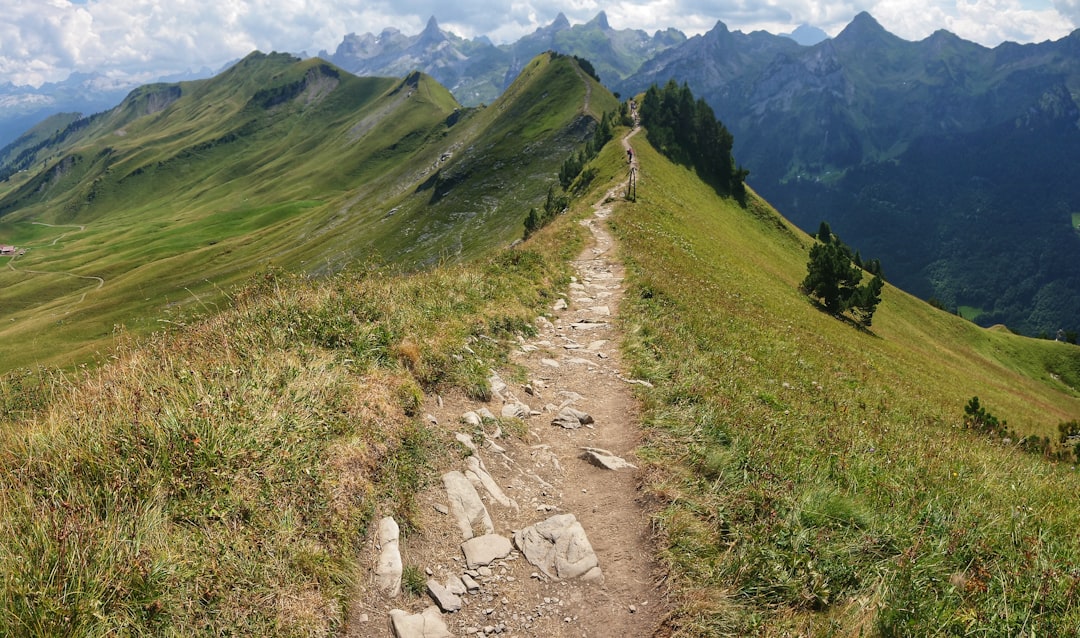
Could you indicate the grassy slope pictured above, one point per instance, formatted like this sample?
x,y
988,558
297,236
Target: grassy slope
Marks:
x,y
213,481
193,195
814,477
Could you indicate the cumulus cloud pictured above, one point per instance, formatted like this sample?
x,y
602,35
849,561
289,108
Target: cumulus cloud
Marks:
x,y
141,39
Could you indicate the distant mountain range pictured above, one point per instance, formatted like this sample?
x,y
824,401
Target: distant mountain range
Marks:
x,y
947,160
477,71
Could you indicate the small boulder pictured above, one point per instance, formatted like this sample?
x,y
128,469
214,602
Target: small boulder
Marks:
x,y
447,600
558,547
604,459
427,624
571,419
515,410
486,549
466,506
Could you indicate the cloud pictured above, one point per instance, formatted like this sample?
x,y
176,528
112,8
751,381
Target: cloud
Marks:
x,y
988,22
45,40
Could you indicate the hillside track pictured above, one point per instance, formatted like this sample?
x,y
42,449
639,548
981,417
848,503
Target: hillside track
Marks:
x,y
81,228
574,361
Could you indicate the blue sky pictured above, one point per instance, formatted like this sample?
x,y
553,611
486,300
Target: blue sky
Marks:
x,y
134,41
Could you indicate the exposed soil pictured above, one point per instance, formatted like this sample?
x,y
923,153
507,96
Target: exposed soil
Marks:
x,y
574,359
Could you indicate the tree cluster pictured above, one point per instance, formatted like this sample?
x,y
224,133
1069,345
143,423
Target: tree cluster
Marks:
x,y
687,131
834,276
555,204
573,170
574,164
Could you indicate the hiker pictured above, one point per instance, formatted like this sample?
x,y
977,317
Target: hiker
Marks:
x,y
629,155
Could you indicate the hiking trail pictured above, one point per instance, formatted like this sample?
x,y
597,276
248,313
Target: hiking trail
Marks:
x,y
530,536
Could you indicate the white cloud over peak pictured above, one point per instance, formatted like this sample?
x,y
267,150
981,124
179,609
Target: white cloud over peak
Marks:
x,y
45,40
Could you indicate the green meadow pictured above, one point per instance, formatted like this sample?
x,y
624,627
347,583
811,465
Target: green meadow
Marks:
x,y
814,478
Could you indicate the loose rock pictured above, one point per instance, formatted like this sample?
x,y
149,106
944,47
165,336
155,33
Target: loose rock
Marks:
x,y
388,569
427,624
558,547
484,550
466,506
571,419
604,459
479,473
447,600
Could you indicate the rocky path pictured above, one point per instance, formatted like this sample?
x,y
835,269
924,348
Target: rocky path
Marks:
x,y
541,534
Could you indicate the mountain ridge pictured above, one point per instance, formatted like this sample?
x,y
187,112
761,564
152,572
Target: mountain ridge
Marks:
x,y
276,160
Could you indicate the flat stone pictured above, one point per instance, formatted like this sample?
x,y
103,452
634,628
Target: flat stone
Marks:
x,y
485,414
455,585
484,550
427,624
551,363
588,325
571,419
580,361
447,600
388,569
471,418
466,506
604,459
558,547
560,304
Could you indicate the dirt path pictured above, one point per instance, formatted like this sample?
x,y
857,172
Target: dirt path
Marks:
x,y
100,281
574,361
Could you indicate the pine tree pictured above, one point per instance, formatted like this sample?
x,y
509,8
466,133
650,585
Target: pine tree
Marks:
x,y
834,274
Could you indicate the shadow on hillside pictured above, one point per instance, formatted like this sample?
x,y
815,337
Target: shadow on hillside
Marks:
x,y
820,307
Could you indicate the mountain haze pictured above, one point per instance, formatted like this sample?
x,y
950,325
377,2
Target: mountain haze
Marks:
x,y
477,71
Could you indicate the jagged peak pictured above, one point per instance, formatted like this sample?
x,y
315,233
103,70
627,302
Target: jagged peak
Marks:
x,y
560,22
600,21
431,33
720,28
861,26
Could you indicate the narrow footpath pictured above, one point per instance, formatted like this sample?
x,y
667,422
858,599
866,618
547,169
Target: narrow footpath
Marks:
x,y
542,535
